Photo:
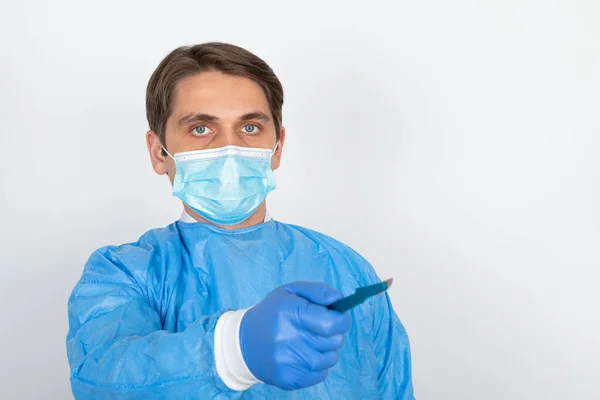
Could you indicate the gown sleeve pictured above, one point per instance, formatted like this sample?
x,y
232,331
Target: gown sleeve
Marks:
x,y
394,372
117,348
391,343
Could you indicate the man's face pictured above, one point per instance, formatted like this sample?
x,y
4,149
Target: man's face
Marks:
x,y
211,110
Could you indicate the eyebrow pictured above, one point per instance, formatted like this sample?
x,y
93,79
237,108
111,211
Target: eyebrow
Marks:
x,y
199,117
193,118
255,115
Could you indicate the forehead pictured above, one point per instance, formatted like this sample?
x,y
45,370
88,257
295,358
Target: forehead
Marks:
x,y
215,93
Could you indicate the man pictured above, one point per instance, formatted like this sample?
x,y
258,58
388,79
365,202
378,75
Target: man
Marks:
x,y
226,302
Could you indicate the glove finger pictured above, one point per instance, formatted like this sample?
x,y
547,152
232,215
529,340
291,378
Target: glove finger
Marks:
x,y
321,321
318,361
322,343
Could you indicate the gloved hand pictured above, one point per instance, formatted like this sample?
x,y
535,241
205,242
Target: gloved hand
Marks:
x,y
291,339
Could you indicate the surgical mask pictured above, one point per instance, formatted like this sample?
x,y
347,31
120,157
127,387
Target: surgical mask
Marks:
x,y
224,185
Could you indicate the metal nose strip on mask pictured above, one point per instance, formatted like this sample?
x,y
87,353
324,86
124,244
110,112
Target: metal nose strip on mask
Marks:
x,y
221,149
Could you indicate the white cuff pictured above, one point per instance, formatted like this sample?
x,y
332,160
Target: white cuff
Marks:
x,y
229,360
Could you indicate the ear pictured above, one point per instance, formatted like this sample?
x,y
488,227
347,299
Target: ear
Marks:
x,y
156,153
276,160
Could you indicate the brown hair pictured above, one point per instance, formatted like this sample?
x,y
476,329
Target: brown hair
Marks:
x,y
189,60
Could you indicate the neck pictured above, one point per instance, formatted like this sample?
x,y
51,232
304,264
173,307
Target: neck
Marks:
x,y
257,218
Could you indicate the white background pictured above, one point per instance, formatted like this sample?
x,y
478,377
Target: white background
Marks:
x,y
453,143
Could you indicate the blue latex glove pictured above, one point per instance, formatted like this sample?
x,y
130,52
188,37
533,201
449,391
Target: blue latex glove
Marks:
x,y
291,339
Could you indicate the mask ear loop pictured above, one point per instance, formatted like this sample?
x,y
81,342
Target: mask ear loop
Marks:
x,y
165,150
274,150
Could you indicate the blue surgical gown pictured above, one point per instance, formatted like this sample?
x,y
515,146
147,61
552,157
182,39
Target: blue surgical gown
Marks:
x,y
143,315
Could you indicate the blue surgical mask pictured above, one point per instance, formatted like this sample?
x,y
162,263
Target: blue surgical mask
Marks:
x,y
224,185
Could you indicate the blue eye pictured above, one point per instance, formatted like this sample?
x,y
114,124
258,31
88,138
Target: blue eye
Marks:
x,y
201,130
250,128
